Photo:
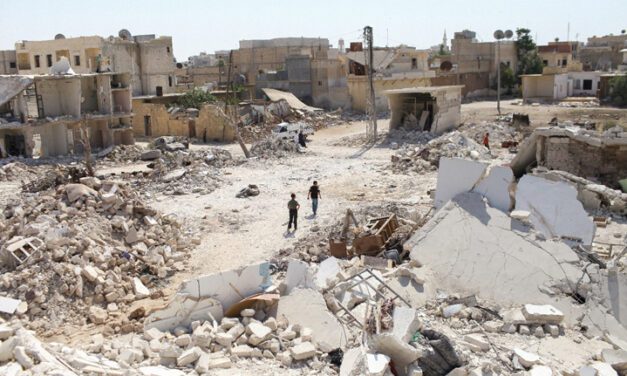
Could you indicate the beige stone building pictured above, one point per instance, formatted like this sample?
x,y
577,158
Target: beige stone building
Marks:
x,y
603,53
561,55
395,68
8,62
155,116
43,115
148,59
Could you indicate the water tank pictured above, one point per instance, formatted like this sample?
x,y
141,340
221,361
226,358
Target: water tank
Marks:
x,y
59,36
124,34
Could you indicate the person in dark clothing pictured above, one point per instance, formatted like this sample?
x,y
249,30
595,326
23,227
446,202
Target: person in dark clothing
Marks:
x,y
314,194
301,139
486,140
293,207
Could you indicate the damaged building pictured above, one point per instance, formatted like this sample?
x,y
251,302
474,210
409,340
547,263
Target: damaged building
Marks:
x,y
589,154
155,116
435,109
147,58
42,116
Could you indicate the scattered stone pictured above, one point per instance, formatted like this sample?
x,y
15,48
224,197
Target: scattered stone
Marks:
x,y
304,350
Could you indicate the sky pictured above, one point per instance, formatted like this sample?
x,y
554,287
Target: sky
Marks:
x,y
207,25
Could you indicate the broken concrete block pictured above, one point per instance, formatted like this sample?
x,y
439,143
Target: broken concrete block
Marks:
x,y
97,315
452,310
298,275
19,352
492,326
306,307
524,330
328,271
495,187
617,358
77,191
304,350
183,340
224,339
242,351
521,215
159,371
352,362
248,312
285,358
456,176
402,353
271,323
478,340
599,369
188,357
153,333
542,314
551,329
258,333
6,349
139,289
406,323
90,273
5,332
555,209
377,364
525,358
150,155
540,371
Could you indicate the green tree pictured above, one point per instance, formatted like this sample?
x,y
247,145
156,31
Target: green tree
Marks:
x,y
508,78
528,60
195,98
618,94
442,52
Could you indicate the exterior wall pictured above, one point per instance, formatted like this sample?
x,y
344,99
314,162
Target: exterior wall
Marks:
x,y
555,59
476,84
608,164
60,97
444,102
471,56
157,65
578,78
358,90
209,124
537,87
8,62
329,84
83,47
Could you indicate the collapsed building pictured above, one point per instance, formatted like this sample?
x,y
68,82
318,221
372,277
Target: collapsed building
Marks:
x,y
434,109
589,154
43,115
156,116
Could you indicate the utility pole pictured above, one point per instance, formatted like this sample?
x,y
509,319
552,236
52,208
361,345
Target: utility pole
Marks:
x,y
372,108
498,35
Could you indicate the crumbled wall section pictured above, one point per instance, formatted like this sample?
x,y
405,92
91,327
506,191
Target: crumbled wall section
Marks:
x,y
608,164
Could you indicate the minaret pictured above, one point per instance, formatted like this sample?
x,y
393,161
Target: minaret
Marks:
x,y
444,41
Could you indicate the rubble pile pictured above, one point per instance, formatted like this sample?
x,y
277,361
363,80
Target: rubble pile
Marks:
x,y
274,148
186,172
17,171
125,153
500,133
84,252
427,157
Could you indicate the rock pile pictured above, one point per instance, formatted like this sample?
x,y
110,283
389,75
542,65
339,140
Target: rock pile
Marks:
x,y
427,157
101,247
17,171
274,148
125,153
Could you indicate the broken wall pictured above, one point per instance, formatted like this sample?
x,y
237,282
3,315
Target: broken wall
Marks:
x,y
60,96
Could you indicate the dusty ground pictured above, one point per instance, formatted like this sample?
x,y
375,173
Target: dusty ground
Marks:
x,y
238,231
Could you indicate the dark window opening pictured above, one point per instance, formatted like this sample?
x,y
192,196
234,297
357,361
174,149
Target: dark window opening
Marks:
x,y
319,83
49,60
167,49
77,60
37,64
564,62
587,84
545,62
147,126
12,65
414,63
170,81
159,91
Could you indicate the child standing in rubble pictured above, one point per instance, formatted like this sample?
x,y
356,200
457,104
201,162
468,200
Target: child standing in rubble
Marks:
x,y
314,194
293,207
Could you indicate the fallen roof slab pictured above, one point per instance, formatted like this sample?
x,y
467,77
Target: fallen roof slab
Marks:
x,y
473,248
555,209
276,95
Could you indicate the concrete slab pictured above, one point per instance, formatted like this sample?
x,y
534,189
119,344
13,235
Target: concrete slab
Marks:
x,y
554,209
496,187
298,275
214,293
328,270
456,176
307,308
474,249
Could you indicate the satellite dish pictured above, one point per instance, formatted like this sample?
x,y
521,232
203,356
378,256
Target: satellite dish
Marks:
x,y
499,34
59,36
124,34
509,34
446,66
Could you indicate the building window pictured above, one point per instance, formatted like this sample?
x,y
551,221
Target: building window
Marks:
x,y
170,81
577,85
49,60
545,62
77,60
587,84
564,62
319,83
37,63
414,63
167,49
12,65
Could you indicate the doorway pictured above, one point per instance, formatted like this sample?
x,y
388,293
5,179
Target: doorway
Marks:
x,y
15,145
147,126
191,124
